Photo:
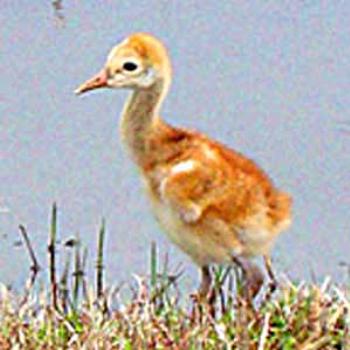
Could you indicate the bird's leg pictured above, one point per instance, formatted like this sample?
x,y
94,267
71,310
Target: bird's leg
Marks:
x,y
205,285
204,299
207,291
271,274
252,275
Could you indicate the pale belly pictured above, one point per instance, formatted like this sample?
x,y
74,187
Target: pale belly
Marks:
x,y
189,238
213,241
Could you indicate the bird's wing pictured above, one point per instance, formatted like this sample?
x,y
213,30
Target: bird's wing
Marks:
x,y
191,186
214,178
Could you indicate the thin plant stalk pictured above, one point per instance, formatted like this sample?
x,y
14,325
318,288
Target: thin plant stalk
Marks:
x,y
83,277
64,291
34,268
99,263
153,265
77,274
52,257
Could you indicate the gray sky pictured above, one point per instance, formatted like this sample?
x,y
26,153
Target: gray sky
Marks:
x,y
268,78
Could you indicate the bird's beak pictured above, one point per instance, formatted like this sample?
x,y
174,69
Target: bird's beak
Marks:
x,y
96,82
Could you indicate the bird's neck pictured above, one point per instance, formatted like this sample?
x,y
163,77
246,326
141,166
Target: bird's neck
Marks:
x,y
140,119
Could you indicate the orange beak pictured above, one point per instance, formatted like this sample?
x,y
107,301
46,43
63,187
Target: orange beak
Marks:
x,y
96,82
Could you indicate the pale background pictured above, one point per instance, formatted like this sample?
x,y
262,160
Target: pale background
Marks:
x,y
269,78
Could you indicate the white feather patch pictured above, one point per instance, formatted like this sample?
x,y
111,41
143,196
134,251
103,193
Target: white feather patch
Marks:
x,y
181,167
185,166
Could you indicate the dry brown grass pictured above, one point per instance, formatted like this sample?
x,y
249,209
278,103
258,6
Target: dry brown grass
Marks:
x,y
151,313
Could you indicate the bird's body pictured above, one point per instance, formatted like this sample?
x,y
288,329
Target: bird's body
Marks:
x,y
211,201
214,203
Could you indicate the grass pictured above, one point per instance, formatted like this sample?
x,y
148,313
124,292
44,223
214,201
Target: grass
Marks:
x,y
156,315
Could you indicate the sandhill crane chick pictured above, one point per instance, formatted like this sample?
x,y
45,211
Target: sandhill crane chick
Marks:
x,y
215,204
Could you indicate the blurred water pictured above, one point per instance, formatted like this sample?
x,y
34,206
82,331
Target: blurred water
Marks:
x,y
268,78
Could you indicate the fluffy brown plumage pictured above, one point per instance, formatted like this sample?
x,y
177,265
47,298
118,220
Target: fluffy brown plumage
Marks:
x,y
215,204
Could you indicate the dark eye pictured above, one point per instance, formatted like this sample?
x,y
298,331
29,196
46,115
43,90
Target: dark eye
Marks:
x,y
130,66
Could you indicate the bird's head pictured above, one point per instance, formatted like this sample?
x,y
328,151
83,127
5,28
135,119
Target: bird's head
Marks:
x,y
136,63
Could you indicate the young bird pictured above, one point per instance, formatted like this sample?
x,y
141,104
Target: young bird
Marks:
x,y
215,204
